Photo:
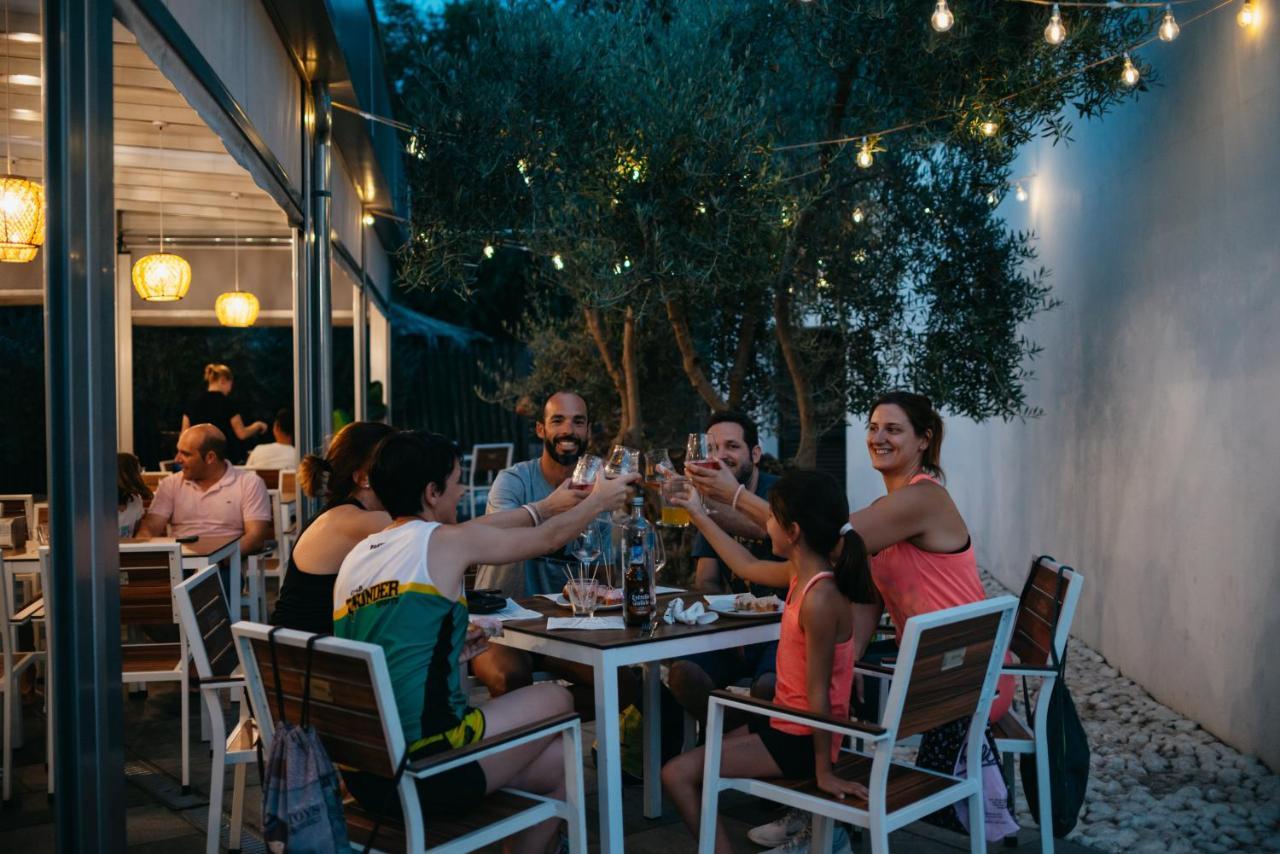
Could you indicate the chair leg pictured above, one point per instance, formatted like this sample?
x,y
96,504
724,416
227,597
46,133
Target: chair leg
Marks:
x,y
237,807
186,733
575,799
9,685
217,776
977,822
1043,794
711,779
878,834
823,834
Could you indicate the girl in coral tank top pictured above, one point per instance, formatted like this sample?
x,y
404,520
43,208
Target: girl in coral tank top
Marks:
x,y
824,570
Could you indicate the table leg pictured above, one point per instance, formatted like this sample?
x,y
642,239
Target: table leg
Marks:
x,y
234,592
608,757
652,739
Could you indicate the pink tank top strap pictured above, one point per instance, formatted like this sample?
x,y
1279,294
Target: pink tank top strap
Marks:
x,y
810,583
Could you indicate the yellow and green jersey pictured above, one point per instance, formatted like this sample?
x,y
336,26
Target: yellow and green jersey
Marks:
x,y
384,594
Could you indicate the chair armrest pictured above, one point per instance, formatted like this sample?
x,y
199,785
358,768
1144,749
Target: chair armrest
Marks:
x,y
861,729
28,611
1028,670
879,671
441,762
218,682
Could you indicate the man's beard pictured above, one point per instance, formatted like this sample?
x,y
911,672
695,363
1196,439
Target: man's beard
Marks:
x,y
743,472
549,445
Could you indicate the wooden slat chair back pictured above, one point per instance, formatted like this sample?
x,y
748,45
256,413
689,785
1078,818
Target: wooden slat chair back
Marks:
x,y
486,462
12,507
206,620
949,673
149,573
42,513
353,710
271,477
1046,610
12,665
152,478
947,668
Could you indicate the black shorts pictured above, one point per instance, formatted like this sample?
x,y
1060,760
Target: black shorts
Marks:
x,y
792,753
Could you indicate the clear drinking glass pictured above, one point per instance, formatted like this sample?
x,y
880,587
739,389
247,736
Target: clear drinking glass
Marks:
x,y
42,535
622,460
586,548
701,450
674,516
660,466
585,472
582,593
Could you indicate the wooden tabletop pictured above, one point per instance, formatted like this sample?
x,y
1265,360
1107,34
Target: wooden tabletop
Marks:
x,y
202,547
612,638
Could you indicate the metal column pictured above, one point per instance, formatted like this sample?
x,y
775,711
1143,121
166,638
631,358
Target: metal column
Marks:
x,y
313,298
360,331
84,594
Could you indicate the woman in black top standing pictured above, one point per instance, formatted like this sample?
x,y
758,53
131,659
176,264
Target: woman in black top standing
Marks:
x,y
215,407
351,512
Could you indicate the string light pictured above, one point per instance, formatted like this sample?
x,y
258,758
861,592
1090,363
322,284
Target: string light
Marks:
x,y
1020,193
993,199
942,19
864,154
1248,14
858,216
989,127
1169,28
557,261
488,250
702,208
1055,32
367,219
1129,75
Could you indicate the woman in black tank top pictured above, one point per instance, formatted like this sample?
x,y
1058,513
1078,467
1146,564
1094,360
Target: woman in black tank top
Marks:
x,y
341,477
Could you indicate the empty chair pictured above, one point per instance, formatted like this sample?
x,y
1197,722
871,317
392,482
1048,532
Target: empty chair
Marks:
x,y
1045,611
12,665
486,462
206,622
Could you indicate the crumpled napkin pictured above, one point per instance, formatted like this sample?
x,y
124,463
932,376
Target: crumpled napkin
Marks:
x,y
693,615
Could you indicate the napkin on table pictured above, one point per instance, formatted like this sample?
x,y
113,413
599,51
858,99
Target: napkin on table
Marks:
x,y
585,623
693,615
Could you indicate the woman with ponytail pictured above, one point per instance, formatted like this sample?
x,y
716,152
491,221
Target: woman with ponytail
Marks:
x,y
824,570
351,512
216,406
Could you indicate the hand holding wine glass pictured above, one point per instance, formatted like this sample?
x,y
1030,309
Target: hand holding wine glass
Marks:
x,y
564,497
716,484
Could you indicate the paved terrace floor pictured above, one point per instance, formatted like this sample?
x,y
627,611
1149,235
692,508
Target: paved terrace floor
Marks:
x,y
161,819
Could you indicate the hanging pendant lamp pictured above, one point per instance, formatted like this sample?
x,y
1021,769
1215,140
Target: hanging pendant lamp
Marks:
x,y
236,308
161,276
21,199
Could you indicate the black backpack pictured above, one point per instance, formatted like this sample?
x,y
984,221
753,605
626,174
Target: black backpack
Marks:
x,y
1067,750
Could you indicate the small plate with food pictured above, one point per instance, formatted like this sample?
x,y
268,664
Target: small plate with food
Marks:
x,y
609,599
745,605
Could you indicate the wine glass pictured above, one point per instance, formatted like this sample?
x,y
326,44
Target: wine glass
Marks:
x,y
622,460
658,549
585,472
660,465
586,548
701,450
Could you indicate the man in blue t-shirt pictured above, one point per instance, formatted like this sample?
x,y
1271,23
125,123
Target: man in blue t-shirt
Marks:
x,y
693,679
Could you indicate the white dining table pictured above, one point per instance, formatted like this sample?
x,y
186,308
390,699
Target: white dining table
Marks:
x,y
607,650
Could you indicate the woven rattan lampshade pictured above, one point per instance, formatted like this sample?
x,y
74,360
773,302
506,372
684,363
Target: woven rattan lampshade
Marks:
x,y
21,218
161,277
236,308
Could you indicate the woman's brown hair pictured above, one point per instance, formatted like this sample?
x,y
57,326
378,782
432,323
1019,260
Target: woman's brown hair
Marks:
x,y
129,480
925,421
214,372
333,476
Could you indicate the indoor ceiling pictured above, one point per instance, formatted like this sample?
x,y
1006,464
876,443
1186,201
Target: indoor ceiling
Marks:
x,y
199,176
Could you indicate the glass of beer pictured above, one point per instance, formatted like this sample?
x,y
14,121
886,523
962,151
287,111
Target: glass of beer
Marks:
x,y
585,472
674,516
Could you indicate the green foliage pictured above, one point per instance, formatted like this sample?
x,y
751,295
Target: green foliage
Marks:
x,y
649,147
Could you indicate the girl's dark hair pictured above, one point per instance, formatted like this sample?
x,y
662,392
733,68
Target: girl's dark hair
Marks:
x,y
405,463
925,420
814,501
333,476
129,480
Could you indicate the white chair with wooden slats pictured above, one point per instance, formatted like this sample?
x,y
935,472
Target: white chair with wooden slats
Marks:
x,y
486,462
946,670
206,621
353,709
13,663
149,573
1045,611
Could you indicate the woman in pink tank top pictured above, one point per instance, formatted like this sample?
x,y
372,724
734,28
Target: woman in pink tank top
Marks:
x,y
824,570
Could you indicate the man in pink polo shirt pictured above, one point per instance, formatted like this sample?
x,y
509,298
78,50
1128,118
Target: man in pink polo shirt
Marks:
x,y
210,497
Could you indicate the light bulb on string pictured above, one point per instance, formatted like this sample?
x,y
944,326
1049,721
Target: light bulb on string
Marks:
x,y
1169,28
1020,193
1248,14
488,250
1129,75
993,198
942,19
858,216
1055,32
557,261
865,159
989,127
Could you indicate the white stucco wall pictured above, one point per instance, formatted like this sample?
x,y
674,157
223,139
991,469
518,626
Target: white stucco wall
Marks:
x,y
1155,469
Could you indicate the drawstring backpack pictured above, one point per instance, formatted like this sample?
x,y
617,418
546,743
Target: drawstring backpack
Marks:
x,y
301,794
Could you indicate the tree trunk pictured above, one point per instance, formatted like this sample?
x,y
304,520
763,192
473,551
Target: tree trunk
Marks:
x,y
631,431
742,358
689,358
595,325
806,455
